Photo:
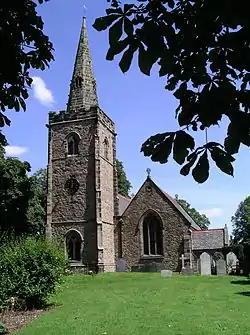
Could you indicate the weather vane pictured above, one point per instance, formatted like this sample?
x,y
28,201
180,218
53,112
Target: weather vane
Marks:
x,y
84,10
148,171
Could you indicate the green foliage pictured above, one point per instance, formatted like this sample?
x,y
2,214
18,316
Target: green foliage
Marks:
x,y
3,329
14,196
201,219
3,144
218,255
124,184
30,270
238,249
202,49
22,199
36,214
241,222
26,47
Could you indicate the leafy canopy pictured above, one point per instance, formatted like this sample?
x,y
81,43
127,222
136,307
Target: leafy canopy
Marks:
x,y
14,196
201,219
241,222
124,184
202,48
36,214
25,47
22,198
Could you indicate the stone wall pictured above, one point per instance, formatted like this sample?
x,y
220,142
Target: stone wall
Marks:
x,y
109,247
81,205
87,231
105,187
106,174
174,224
74,211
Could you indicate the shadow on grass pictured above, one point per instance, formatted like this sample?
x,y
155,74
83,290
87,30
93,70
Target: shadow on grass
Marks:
x,y
245,293
241,282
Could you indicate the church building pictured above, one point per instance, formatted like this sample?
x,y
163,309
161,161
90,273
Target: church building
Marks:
x,y
97,226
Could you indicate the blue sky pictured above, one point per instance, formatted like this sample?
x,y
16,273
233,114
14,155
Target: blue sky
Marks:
x,y
138,104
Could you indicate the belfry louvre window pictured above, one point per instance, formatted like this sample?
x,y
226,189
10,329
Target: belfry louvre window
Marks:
x,y
152,236
106,148
73,144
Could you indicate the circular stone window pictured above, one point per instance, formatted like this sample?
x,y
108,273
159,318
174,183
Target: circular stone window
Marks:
x,y
72,185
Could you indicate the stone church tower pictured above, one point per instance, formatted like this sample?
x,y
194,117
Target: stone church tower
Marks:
x,y
82,187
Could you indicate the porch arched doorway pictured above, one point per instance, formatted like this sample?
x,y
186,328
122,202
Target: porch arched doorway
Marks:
x,y
74,246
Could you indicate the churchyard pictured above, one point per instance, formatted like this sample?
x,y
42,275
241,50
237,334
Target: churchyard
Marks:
x,y
146,303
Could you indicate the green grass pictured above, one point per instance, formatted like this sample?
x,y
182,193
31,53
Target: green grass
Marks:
x,y
136,303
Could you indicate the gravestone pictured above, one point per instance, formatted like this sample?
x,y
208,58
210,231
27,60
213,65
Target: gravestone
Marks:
x,y
121,265
205,264
187,271
166,273
221,268
150,267
231,262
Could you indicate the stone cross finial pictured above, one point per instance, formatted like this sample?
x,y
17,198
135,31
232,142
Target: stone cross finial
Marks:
x,y
148,172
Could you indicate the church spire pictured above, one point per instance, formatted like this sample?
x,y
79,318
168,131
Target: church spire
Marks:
x,y
82,93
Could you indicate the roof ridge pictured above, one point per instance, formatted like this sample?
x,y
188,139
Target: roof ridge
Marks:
x,y
178,207
125,197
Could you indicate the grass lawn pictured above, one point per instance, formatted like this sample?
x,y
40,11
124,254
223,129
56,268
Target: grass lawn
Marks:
x,y
136,303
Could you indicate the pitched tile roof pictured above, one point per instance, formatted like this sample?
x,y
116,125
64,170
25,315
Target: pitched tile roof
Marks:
x,y
123,203
207,239
183,212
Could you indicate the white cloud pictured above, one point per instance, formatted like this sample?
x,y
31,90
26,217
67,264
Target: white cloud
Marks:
x,y
41,92
12,150
212,212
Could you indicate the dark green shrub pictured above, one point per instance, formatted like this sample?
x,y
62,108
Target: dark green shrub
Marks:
x,y
3,329
30,270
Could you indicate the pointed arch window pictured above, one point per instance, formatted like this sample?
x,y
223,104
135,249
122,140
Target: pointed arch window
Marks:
x,y
73,144
73,245
152,235
106,148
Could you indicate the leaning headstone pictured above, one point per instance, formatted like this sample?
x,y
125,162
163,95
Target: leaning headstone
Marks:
x,y
187,271
205,264
121,265
231,262
221,268
166,273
